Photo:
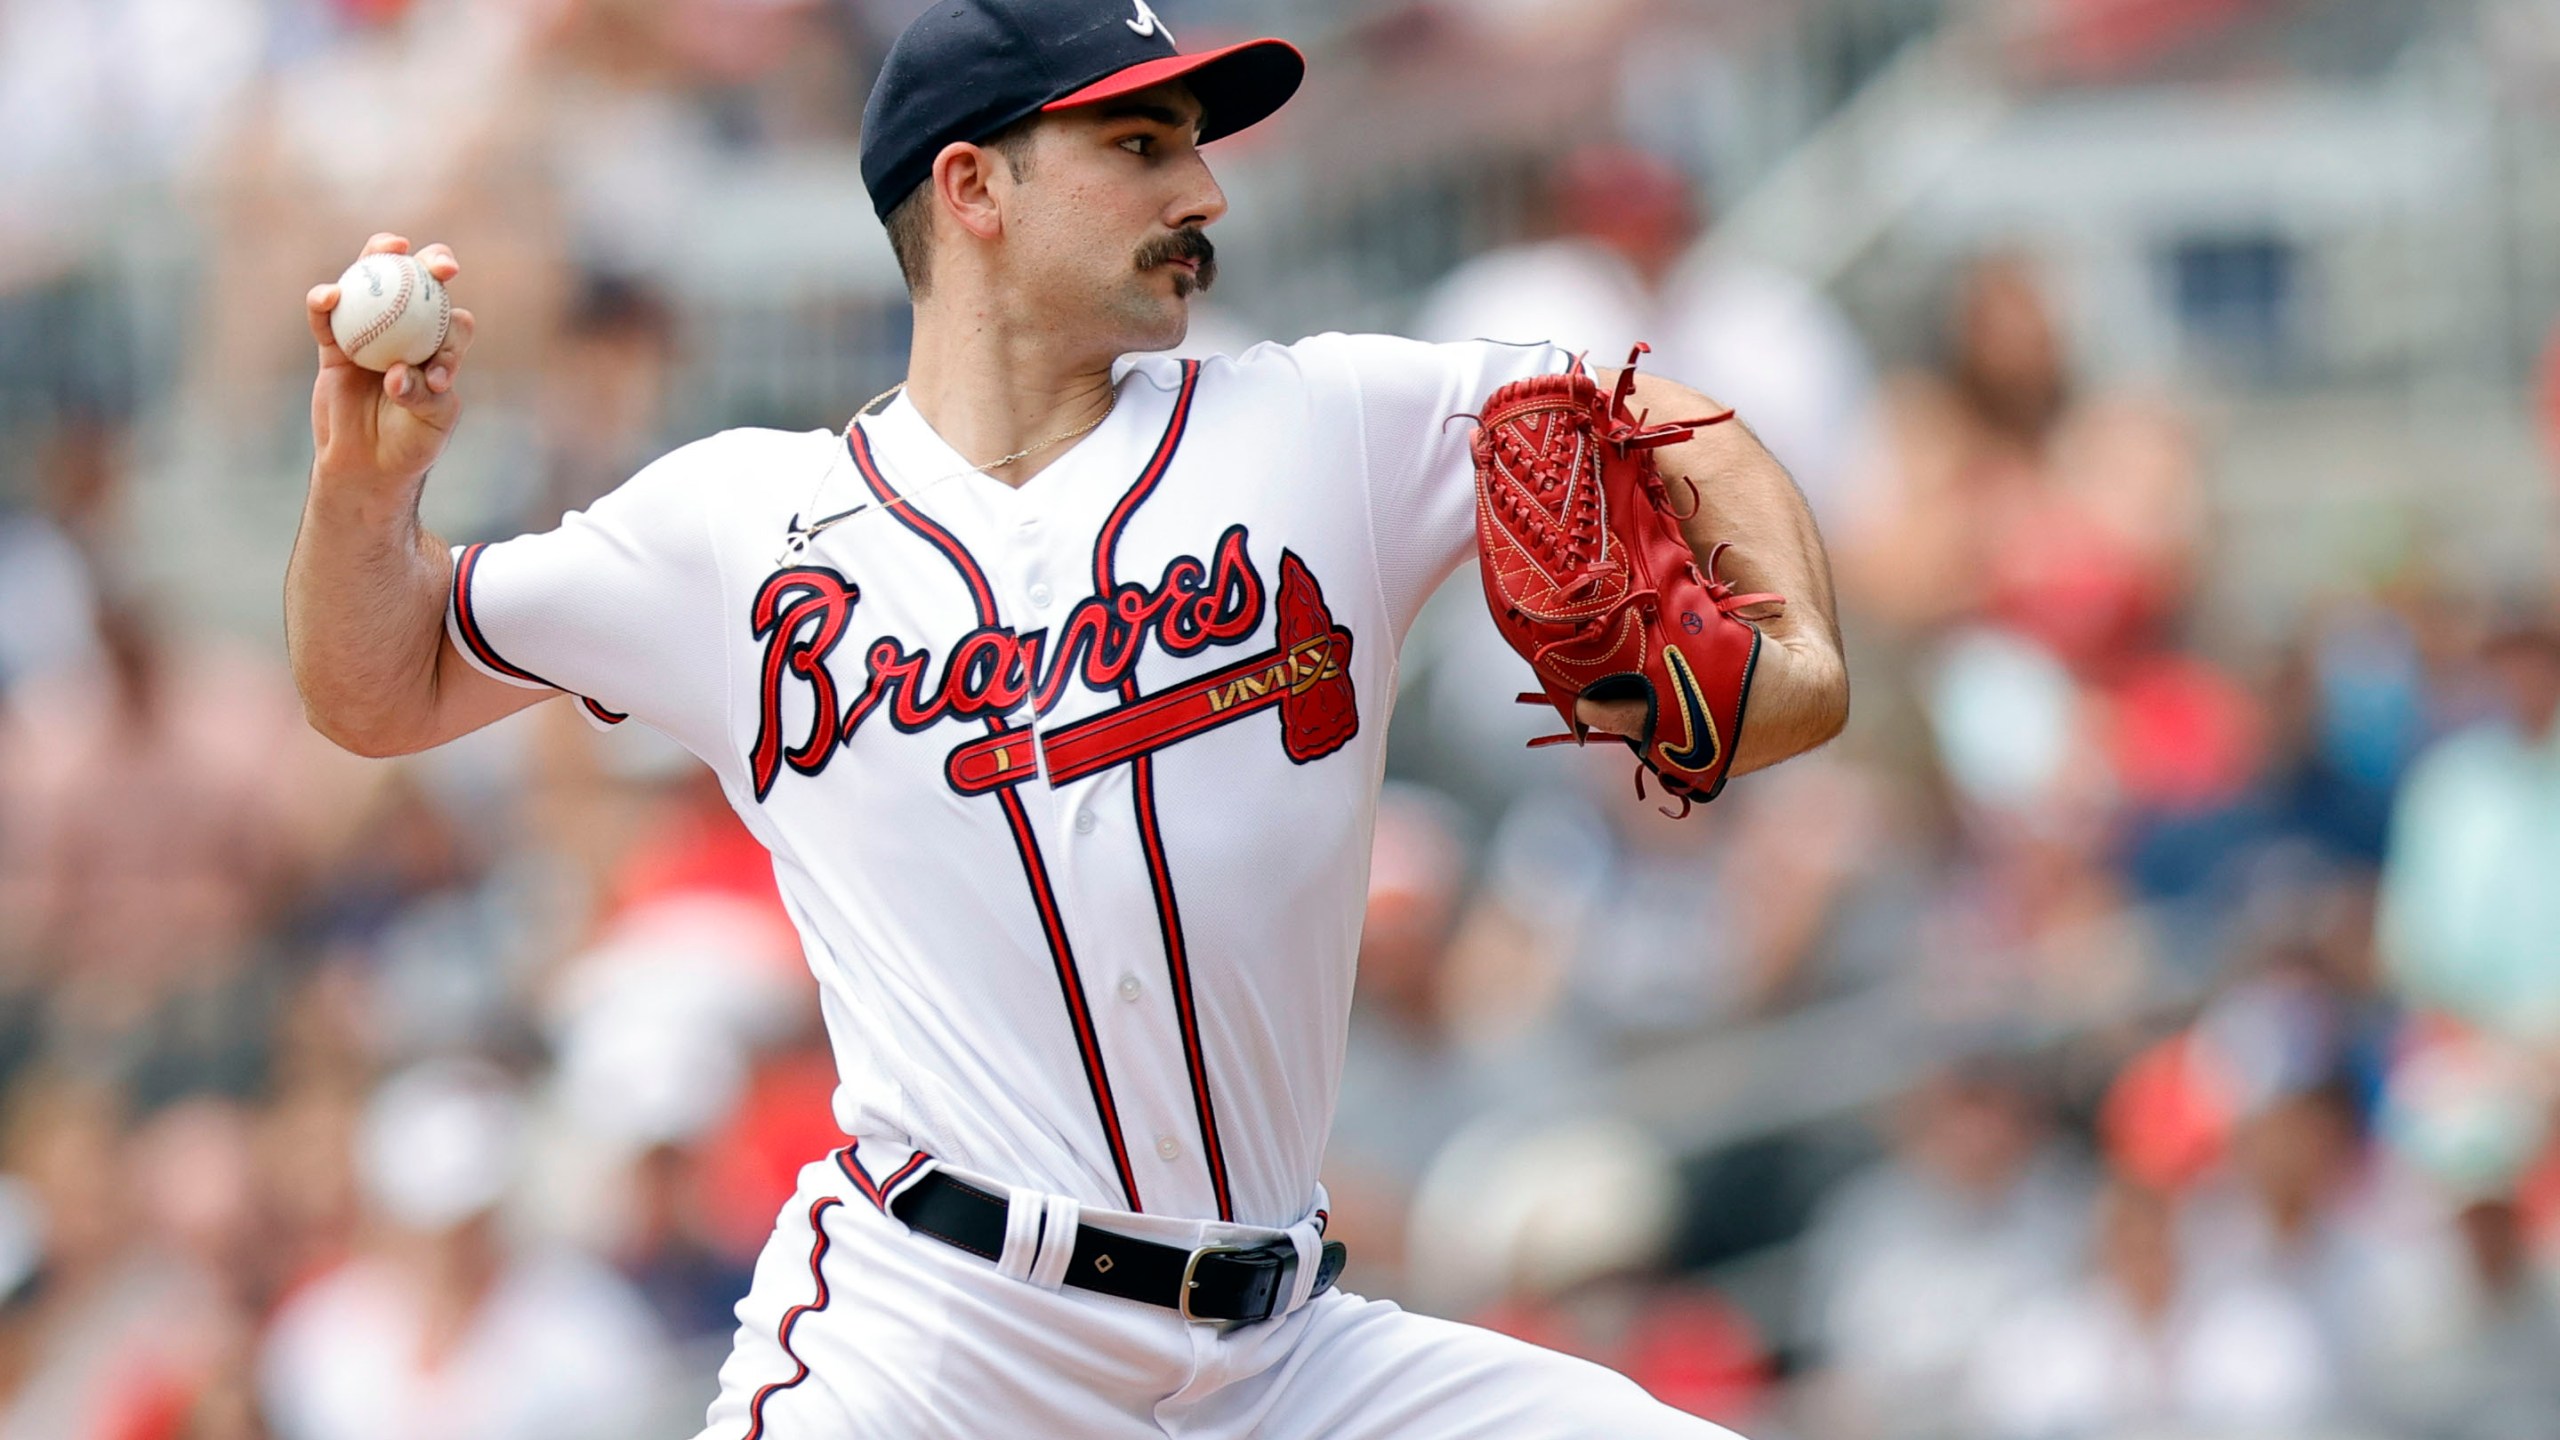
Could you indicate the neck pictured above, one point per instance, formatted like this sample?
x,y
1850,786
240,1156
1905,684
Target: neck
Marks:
x,y
992,383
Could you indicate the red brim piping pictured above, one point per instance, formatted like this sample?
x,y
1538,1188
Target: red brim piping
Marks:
x,y
1237,85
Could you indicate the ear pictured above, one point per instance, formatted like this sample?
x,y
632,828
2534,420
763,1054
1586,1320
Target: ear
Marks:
x,y
964,180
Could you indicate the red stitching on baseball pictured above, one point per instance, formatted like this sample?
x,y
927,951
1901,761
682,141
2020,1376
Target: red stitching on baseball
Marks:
x,y
399,307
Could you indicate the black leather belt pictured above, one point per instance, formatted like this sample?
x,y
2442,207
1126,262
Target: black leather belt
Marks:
x,y
1226,1283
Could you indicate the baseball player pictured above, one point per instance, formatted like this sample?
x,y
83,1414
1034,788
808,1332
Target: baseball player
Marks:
x,y
1057,684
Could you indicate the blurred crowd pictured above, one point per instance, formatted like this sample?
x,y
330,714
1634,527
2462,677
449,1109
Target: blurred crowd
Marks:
x,y
2216,976
2134,1027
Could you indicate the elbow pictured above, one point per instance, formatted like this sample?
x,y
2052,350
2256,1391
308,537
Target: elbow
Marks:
x,y
1830,710
357,741
355,734
375,749
1815,719
1805,708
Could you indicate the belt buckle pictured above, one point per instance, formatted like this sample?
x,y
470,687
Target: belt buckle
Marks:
x,y
1190,1268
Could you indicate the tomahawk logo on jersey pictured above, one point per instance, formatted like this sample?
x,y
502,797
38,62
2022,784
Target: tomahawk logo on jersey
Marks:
x,y
801,614
1068,786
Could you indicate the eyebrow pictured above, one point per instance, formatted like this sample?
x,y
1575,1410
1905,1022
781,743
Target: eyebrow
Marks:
x,y
1164,115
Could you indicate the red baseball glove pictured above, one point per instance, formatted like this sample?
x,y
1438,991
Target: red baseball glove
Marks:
x,y
1590,578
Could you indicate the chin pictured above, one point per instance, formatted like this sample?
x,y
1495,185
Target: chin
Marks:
x,y
1154,322
1174,331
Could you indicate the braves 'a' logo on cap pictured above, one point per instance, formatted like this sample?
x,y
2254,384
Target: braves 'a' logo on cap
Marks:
x,y
1148,24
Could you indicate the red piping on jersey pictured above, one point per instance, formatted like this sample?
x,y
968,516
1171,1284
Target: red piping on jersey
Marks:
x,y
1035,871
1177,951
800,1368
876,1191
481,650
478,643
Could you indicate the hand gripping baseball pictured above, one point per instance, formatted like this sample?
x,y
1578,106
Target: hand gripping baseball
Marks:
x,y
386,428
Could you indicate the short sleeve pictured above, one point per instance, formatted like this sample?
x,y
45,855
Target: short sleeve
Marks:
x,y
620,606
1415,404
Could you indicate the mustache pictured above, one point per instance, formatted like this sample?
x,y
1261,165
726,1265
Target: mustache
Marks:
x,y
1187,243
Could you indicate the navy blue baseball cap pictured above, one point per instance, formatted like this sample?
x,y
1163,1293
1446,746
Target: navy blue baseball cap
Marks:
x,y
968,68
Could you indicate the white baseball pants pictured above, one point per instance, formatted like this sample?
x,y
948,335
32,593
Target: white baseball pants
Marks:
x,y
857,1328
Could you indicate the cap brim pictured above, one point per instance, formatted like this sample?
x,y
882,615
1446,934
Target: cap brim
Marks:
x,y
1236,85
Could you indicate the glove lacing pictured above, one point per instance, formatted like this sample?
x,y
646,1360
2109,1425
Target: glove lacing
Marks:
x,y
1571,535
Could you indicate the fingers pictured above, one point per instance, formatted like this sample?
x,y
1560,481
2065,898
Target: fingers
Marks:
x,y
408,388
442,366
449,360
438,258
316,304
437,374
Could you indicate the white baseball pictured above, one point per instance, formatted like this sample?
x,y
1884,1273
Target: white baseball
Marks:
x,y
390,312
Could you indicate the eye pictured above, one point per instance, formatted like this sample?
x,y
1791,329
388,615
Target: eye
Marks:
x,y
1139,144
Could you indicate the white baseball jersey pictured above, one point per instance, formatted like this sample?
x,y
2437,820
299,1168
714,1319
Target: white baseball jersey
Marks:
x,y
1068,786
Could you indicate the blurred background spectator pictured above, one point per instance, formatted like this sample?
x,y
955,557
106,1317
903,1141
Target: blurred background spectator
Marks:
x,y
2471,920
1976,1213
443,1324
2142,1024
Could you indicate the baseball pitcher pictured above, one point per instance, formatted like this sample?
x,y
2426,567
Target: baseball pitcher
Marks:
x,y
1057,684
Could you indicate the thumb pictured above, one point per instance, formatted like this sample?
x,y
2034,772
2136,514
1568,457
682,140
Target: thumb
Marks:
x,y
1614,717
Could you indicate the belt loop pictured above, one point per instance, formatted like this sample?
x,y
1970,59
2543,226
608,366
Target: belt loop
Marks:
x,y
1022,1213
1308,1237
1057,1242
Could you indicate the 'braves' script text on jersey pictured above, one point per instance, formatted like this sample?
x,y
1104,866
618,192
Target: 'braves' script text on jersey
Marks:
x,y
1068,787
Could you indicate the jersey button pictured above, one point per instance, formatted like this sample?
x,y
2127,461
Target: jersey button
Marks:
x,y
1040,597
1128,987
1084,822
1168,1147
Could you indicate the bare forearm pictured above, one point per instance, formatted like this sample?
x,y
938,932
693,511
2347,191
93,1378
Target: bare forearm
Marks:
x,y
365,593
1746,500
364,610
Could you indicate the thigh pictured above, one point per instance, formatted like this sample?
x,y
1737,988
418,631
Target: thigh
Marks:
x,y
1368,1370
855,1328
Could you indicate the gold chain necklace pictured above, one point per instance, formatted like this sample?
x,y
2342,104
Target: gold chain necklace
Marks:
x,y
803,531
1023,454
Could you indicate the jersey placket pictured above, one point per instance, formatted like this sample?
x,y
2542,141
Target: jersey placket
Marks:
x,y
1025,808
1102,882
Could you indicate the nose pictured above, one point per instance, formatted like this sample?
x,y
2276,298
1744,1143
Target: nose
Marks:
x,y
1204,202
